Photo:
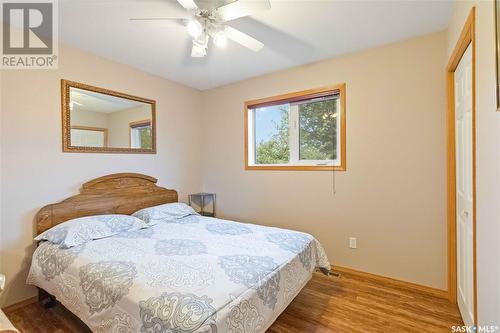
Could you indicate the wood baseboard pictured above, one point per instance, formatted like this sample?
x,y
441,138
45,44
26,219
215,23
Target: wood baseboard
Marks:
x,y
20,304
395,282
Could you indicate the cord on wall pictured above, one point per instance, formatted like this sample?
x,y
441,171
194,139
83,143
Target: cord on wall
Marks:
x,y
333,183
334,188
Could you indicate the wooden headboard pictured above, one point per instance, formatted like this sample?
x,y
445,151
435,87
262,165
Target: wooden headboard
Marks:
x,y
121,193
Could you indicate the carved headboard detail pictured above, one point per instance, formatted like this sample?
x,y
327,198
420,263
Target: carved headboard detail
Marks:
x,y
121,193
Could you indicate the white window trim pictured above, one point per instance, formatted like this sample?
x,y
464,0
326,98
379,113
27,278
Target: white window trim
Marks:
x,y
294,143
135,137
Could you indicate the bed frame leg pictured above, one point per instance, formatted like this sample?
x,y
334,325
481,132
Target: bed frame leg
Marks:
x,y
333,273
45,299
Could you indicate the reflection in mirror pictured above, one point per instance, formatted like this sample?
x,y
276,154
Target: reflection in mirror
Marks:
x,y
101,120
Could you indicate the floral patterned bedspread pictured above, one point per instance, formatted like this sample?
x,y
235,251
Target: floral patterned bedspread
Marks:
x,y
195,274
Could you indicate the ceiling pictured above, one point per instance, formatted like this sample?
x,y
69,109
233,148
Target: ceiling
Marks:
x,y
84,100
294,33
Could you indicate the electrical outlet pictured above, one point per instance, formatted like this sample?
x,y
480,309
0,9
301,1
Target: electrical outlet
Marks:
x,y
353,243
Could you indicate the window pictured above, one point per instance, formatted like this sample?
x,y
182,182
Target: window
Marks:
x,y
140,134
298,131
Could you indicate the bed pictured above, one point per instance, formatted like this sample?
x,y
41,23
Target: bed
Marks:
x,y
192,274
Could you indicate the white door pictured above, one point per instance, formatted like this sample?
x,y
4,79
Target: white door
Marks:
x,y
464,195
87,138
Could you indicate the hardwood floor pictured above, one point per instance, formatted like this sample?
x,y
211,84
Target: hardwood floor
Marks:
x,y
350,303
354,303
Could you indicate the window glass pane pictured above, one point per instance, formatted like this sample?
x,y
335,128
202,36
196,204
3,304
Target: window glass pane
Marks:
x,y
146,138
271,135
318,130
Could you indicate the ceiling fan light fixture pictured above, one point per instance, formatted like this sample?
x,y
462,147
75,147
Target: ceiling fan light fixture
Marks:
x,y
198,51
203,24
194,28
220,39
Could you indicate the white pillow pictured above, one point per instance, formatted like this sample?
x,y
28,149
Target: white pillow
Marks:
x,y
81,230
165,212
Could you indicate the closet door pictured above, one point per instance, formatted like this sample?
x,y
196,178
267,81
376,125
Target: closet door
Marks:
x,y
464,190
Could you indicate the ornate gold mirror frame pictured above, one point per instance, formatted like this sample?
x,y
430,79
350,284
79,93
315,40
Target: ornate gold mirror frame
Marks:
x,y
66,86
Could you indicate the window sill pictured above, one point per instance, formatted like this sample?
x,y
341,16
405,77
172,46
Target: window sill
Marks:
x,y
296,167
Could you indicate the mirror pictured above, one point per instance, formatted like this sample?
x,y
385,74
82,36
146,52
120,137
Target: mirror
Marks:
x,y
101,120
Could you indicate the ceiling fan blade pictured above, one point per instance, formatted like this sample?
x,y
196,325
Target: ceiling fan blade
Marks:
x,y
188,4
242,8
243,39
160,20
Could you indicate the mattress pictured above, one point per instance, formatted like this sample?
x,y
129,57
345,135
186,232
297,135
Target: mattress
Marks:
x,y
194,274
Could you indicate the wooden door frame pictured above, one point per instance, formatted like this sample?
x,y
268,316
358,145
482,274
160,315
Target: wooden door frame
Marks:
x,y
467,37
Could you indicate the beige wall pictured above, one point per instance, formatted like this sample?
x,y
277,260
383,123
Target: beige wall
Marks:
x,y
392,196
88,118
487,156
35,172
119,124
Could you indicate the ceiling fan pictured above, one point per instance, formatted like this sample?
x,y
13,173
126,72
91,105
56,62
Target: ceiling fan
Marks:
x,y
205,23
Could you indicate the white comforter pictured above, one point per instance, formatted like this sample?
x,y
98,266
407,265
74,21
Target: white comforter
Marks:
x,y
195,274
